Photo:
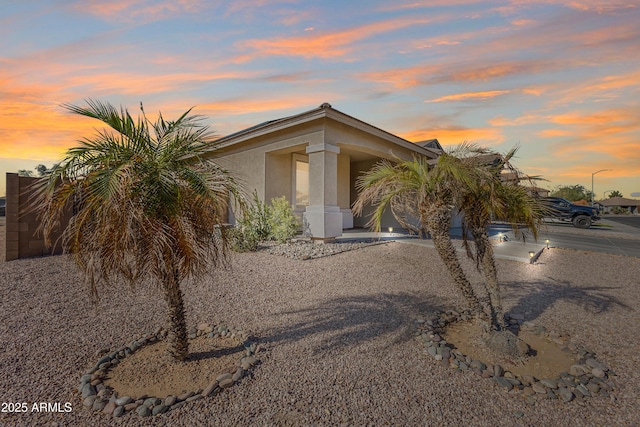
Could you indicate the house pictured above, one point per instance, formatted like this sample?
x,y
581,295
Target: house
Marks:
x,y
620,205
314,159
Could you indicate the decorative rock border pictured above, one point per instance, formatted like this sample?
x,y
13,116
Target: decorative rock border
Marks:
x,y
585,379
98,397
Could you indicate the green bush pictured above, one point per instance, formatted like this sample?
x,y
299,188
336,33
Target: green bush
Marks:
x,y
252,226
264,222
620,211
282,221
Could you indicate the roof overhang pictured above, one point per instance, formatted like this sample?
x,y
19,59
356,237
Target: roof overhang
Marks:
x,y
325,111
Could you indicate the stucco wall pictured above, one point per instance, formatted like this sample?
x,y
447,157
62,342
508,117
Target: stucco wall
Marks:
x,y
279,176
264,163
354,139
357,169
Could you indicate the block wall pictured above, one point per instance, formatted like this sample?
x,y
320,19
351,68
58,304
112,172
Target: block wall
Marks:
x,y
21,221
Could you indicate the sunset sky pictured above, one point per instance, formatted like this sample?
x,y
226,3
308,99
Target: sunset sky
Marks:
x,y
559,78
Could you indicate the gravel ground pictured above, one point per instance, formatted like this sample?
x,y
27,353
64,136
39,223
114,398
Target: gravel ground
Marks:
x,y
337,338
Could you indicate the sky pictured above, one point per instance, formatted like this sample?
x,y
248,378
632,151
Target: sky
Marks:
x,y
559,79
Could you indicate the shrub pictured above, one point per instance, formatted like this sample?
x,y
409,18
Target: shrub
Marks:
x,y
252,227
282,221
264,222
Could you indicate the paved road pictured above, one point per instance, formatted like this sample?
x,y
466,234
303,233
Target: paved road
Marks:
x,y
608,236
610,245
630,220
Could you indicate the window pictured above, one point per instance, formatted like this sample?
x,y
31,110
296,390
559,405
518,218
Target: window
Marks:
x,y
302,183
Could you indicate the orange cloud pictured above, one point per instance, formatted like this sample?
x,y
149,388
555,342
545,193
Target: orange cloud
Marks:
x,y
427,4
597,90
232,107
327,45
609,134
470,95
454,135
454,72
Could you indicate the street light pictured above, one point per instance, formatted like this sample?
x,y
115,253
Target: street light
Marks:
x,y
605,193
601,170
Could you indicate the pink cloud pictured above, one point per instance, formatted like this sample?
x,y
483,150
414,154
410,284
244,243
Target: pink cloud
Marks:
x,y
326,44
471,96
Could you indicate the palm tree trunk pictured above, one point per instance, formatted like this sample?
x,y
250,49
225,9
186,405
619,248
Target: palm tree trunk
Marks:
x,y
437,221
177,331
484,250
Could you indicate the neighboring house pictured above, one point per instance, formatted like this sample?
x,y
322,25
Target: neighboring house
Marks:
x,y
619,204
314,159
541,192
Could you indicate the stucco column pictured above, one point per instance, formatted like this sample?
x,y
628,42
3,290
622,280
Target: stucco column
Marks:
x,y
322,218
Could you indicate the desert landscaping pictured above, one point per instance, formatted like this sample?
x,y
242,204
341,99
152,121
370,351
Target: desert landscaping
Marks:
x,y
336,338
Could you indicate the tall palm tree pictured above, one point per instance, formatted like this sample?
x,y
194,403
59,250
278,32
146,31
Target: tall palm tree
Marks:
x,y
415,186
144,202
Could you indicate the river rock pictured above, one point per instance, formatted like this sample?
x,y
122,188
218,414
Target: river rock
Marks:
x,y
159,409
131,406
121,401
593,363
151,402
88,390
98,405
226,383
550,383
88,401
539,388
504,382
109,408
223,377
143,411
185,396
565,394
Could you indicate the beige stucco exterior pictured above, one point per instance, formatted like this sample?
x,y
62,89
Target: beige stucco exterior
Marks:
x,y
337,148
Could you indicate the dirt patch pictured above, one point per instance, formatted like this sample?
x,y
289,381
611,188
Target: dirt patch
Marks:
x,y
151,371
548,360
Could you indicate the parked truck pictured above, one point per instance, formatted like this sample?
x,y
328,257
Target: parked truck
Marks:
x,y
580,216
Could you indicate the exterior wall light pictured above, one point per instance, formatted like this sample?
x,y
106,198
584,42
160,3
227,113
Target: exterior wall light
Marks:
x,y
390,229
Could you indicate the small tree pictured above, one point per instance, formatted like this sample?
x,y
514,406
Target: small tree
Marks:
x,y
572,193
147,203
615,193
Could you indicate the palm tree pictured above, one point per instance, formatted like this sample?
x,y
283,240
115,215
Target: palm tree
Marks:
x,y
495,192
414,186
461,180
144,202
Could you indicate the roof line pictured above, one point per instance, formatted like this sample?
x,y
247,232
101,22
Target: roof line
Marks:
x,y
323,110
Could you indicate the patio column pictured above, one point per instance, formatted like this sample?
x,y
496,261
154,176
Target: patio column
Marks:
x,y
323,218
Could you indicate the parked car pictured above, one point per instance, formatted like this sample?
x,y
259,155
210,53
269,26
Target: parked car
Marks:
x,y
580,216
